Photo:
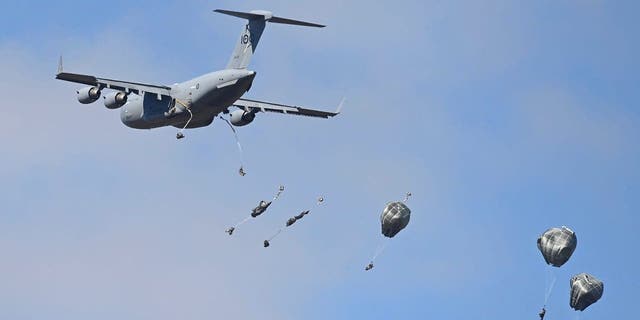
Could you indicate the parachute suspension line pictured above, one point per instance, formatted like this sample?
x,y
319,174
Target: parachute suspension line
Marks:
x,y
549,284
279,193
235,134
406,197
242,222
547,276
276,234
232,229
379,250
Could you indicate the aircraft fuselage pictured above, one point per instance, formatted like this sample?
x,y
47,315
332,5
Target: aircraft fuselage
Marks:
x,y
205,96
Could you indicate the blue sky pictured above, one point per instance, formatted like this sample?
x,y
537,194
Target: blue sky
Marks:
x,y
502,118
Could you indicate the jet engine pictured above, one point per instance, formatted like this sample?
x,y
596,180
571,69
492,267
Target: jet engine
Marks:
x,y
115,100
88,95
241,118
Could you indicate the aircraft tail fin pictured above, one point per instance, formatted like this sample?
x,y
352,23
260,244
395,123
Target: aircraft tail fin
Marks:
x,y
252,32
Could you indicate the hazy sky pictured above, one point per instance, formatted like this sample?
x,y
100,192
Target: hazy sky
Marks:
x,y
502,119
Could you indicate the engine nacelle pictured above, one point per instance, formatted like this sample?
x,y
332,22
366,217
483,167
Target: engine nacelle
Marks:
x,y
88,95
241,118
115,100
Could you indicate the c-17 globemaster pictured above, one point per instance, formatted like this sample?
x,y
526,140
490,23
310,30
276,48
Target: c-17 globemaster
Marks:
x,y
196,102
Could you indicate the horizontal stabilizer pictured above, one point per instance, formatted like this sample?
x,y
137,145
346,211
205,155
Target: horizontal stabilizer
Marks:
x,y
268,16
252,31
238,14
295,22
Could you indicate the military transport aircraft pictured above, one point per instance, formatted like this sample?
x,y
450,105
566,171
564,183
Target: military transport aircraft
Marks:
x,y
196,102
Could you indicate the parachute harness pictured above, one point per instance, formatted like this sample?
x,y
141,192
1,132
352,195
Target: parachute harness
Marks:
x,y
235,134
291,221
232,229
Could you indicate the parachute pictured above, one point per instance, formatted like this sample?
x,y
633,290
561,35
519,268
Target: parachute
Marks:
x,y
395,217
290,222
260,209
557,245
293,220
585,291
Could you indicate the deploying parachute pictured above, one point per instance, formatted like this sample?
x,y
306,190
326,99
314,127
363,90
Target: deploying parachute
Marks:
x,y
557,245
290,222
235,134
295,218
395,217
260,209
585,291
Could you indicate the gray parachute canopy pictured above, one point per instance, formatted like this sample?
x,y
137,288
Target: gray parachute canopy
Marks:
x,y
394,218
557,245
585,291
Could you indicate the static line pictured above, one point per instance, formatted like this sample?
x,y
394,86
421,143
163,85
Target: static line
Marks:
x,y
235,134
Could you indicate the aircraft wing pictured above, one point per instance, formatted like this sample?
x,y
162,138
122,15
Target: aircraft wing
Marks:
x,y
256,106
125,86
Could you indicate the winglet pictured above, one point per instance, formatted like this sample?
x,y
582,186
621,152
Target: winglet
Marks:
x,y
340,105
60,65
